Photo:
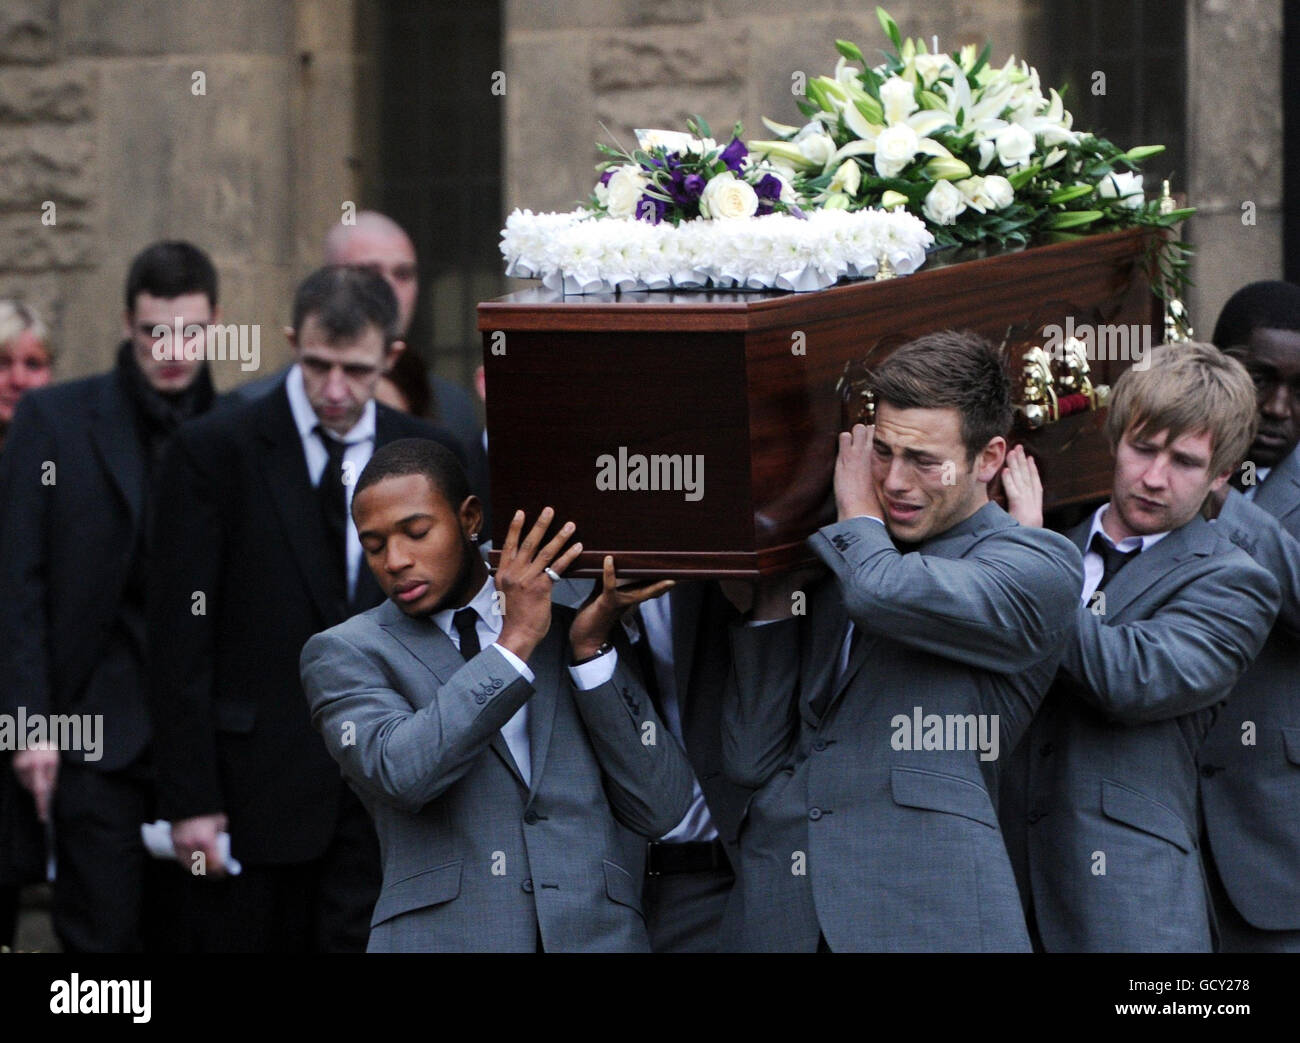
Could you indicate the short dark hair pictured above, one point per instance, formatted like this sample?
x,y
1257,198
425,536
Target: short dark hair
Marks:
x,y
170,269
345,300
417,456
955,370
1270,304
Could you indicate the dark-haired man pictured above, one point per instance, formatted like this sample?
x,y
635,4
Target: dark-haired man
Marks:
x,y
494,774
872,725
1103,815
75,504
1250,763
254,553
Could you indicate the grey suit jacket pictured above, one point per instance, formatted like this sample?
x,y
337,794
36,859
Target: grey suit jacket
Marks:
x,y
1250,762
856,831
1108,855
473,859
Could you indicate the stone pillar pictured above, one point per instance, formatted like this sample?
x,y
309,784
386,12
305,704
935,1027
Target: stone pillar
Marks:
x,y
1234,148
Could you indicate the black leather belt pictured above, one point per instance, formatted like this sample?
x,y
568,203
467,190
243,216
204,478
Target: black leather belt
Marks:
x,y
694,856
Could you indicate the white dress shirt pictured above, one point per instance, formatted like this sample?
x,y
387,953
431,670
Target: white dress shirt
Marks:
x,y
1094,566
656,614
360,442
488,627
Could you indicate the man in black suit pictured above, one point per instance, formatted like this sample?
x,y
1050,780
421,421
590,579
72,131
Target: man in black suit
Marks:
x,y
682,650
255,553
377,242
75,502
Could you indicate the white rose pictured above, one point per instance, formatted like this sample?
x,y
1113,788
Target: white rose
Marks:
x,y
943,204
725,196
986,193
895,148
999,192
624,191
817,148
897,99
1124,186
1014,146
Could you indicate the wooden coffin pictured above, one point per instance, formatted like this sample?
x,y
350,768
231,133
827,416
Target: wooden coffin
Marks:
x,y
749,386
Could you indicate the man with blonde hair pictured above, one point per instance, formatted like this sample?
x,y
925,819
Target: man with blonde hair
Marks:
x,y
1100,805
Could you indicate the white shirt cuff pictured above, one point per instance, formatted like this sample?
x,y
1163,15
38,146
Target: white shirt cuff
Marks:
x,y
516,662
594,673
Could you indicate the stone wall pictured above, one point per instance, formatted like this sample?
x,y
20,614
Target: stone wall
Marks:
x,y
574,65
100,115
1234,148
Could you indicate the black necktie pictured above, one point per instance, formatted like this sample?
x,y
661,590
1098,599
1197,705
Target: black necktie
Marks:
x,y
1113,559
334,509
466,623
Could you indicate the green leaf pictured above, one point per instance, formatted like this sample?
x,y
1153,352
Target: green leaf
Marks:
x,y
1073,218
1022,177
890,27
699,126
1064,195
1141,152
850,50
809,111
981,61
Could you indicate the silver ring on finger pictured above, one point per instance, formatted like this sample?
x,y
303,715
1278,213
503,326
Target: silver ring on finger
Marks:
x,y
555,576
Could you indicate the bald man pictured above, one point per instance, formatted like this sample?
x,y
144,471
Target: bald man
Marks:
x,y
378,242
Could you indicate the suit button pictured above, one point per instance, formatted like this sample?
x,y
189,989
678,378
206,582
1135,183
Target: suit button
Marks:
x,y
527,885
496,682
530,817
1034,816
1209,770
1045,750
819,745
814,813
480,698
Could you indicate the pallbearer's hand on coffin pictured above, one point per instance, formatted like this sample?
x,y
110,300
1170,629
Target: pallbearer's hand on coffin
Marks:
x,y
855,495
524,580
1023,487
593,623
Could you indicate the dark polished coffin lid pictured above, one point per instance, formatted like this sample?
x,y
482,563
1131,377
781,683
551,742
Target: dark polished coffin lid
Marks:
x,y
747,381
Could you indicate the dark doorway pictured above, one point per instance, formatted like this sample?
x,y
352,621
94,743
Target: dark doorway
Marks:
x,y
433,131
1139,47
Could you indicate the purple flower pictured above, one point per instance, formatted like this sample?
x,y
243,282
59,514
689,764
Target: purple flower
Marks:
x,y
648,208
734,154
604,178
768,188
692,186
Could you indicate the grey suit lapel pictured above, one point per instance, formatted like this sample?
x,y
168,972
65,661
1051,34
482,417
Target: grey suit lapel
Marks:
x,y
1149,567
548,665
1280,492
433,648
817,671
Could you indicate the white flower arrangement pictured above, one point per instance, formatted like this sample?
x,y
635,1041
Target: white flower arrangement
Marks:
x,y
580,252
